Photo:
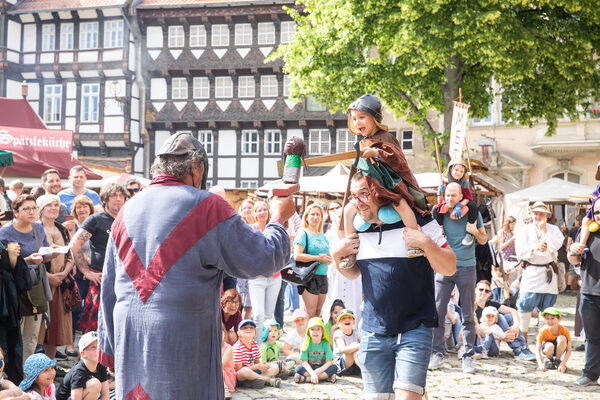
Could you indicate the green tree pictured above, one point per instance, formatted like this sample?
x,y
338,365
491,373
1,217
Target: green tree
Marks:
x,y
416,54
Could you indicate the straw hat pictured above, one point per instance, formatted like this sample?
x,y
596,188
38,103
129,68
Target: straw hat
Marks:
x,y
539,206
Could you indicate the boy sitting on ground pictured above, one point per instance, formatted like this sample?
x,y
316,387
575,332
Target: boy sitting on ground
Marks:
x,y
554,341
250,372
87,379
317,358
270,349
346,341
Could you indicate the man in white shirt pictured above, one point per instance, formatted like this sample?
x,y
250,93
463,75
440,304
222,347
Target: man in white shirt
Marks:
x,y
537,245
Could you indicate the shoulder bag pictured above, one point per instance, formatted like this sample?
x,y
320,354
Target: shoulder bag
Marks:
x,y
299,272
35,300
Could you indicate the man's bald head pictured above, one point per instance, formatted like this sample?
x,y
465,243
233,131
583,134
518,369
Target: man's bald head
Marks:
x,y
218,190
453,194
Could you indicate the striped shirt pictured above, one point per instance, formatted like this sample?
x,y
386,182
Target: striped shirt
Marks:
x,y
244,355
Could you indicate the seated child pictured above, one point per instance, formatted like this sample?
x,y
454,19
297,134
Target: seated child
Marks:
x,y
331,325
493,333
87,379
228,367
389,177
293,341
554,341
346,341
456,172
246,359
317,358
8,390
270,350
39,377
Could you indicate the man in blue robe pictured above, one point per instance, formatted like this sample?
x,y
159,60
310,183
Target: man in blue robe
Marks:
x,y
159,321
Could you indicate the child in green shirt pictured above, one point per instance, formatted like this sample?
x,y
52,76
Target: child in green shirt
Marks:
x,y
316,356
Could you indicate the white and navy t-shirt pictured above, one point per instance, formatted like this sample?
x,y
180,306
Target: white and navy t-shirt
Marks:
x,y
398,291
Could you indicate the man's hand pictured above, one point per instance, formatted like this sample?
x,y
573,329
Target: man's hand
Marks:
x,y
345,247
416,238
92,276
282,207
35,258
510,336
542,247
54,279
472,228
70,225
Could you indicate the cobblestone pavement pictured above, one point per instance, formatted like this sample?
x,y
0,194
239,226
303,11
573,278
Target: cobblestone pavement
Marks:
x,y
497,378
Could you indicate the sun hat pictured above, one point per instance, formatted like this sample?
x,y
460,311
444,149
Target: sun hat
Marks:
x,y
489,310
246,322
315,321
299,313
46,199
35,364
345,313
87,339
540,206
552,311
266,325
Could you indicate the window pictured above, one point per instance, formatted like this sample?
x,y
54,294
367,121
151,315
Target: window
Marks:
x,y
288,30
246,86
319,141
52,103
345,140
249,184
286,86
487,120
88,35
568,176
272,141
206,138
220,36
48,37
66,36
113,34
313,105
89,102
249,142
268,86
223,87
176,36
266,33
179,88
197,36
201,88
406,141
243,35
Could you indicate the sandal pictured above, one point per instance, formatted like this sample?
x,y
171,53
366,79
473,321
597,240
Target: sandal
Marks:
x,y
274,382
332,378
300,378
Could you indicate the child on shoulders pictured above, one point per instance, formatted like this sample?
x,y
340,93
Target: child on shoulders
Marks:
x,y
293,341
39,377
317,358
554,341
250,372
346,341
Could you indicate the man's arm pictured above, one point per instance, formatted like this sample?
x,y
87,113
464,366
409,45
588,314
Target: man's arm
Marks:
x,y
441,259
79,239
479,233
343,248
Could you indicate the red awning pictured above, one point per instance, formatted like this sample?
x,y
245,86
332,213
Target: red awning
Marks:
x,y
34,163
18,112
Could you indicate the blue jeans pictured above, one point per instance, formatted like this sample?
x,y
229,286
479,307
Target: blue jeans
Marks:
x,y
489,345
292,298
464,278
505,321
589,308
394,362
458,326
280,305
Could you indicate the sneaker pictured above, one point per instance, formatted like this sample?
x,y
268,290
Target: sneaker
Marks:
x,y
525,355
467,365
253,384
60,355
413,252
468,240
549,364
227,392
273,382
39,349
348,262
584,381
435,361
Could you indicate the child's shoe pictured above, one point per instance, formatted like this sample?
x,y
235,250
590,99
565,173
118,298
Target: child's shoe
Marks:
x,y
388,215
273,382
468,240
549,363
413,252
360,224
227,392
348,262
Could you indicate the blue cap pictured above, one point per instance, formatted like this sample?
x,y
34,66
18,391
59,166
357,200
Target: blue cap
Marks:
x,y
35,364
246,322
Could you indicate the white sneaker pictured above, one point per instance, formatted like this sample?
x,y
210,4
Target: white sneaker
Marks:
x,y
467,365
435,361
468,240
227,393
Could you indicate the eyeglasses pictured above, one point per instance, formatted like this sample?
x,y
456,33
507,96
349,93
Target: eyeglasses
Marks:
x,y
596,212
29,210
484,290
362,197
233,302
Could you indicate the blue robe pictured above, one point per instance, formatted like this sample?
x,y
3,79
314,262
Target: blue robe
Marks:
x,y
159,321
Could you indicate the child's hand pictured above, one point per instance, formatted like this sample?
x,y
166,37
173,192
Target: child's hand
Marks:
x,y
314,378
370,152
562,368
541,368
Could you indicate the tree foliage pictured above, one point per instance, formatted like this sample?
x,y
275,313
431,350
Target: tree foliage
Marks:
x,y
415,55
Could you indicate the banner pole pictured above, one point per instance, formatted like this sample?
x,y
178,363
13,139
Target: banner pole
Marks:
x,y
437,158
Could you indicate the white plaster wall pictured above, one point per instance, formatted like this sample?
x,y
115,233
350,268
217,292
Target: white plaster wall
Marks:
x,y
83,14
65,57
134,132
135,109
227,143
295,132
159,139
132,53
154,37
71,108
33,91
89,128
12,56
27,18
112,55
27,58
158,89
135,90
138,161
270,168
248,167
71,90
87,56
44,16
30,36
14,36
114,124
13,89
47,58
70,123
226,167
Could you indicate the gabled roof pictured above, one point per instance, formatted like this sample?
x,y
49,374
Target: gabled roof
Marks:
x,y
204,3
26,6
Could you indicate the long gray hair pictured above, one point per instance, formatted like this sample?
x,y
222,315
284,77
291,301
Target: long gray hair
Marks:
x,y
180,166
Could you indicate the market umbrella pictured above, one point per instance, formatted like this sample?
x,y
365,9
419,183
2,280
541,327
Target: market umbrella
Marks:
x,y
6,158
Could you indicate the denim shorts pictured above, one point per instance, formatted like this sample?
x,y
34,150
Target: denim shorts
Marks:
x,y
387,365
527,301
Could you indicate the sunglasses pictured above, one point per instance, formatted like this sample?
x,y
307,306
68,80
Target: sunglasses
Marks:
x,y
334,208
484,290
1,364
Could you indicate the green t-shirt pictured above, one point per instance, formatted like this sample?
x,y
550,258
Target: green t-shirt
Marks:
x,y
317,354
269,352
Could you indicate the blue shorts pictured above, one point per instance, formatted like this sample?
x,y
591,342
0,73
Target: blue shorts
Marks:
x,y
527,301
387,365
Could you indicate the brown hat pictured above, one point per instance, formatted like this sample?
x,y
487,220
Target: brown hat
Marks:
x,y
179,144
539,206
598,172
